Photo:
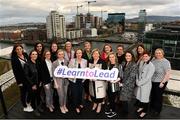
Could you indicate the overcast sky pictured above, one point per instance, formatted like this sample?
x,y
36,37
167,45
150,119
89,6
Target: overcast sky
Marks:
x,y
19,11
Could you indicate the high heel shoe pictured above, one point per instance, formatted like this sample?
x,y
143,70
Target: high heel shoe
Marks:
x,y
62,110
98,108
51,109
139,110
142,115
94,106
78,111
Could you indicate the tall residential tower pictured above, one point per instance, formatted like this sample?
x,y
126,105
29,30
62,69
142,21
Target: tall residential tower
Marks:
x,y
56,26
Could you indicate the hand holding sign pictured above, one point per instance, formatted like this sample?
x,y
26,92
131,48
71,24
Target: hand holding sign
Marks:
x,y
86,73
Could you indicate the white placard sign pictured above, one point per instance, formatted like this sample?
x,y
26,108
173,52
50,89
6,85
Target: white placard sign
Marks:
x,y
86,73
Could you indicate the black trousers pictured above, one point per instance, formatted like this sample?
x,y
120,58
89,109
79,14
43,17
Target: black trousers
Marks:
x,y
24,94
144,106
77,91
86,86
157,96
111,98
34,97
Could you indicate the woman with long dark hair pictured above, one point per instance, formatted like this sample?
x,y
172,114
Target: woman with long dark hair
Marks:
x,y
18,59
53,50
128,81
31,73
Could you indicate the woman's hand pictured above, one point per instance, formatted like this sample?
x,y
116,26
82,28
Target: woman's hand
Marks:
x,y
34,87
161,85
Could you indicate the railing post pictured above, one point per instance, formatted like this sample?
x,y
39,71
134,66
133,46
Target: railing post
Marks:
x,y
3,103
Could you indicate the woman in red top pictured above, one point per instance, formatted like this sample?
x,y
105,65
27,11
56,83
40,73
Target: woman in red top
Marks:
x,y
106,50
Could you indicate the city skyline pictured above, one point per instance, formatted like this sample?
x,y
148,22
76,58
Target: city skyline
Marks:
x,y
19,11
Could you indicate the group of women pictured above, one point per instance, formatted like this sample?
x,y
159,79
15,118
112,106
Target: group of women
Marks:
x,y
143,76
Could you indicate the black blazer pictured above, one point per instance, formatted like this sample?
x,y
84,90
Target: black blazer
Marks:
x,y
45,75
31,73
85,56
18,70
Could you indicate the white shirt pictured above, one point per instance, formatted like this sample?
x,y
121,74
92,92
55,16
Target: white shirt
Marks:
x,y
49,65
60,61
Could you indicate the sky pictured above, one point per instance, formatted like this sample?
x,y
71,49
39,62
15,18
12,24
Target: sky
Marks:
x,y
22,11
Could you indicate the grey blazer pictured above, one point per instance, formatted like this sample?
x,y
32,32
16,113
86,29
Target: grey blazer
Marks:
x,y
74,64
61,81
66,55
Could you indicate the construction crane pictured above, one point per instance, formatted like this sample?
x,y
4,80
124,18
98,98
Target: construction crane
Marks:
x,y
89,2
102,11
78,6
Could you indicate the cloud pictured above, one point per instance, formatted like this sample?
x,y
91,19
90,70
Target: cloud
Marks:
x,y
18,11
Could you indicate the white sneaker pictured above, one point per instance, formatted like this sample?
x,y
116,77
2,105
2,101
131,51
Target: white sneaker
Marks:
x,y
25,109
112,114
28,108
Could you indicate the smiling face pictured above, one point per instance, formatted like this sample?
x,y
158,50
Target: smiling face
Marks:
x,y
128,57
54,47
107,49
79,54
87,47
112,58
159,54
39,47
146,57
95,55
19,50
33,56
48,55
60,55
68,47
140,50
120,50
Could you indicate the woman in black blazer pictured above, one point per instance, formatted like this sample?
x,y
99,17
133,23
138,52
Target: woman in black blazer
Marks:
x,y
46,75
31,73
18,59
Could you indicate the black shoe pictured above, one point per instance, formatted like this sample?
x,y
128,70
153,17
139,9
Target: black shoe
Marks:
x,y
36,113
40,110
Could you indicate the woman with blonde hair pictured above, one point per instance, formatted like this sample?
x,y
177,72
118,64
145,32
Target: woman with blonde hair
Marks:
x,y
97,88
61,84
159,80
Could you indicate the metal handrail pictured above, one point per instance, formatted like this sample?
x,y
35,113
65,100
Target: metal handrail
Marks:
x,y
5,111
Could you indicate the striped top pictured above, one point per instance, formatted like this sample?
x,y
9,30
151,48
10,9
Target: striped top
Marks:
x,y
161,67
